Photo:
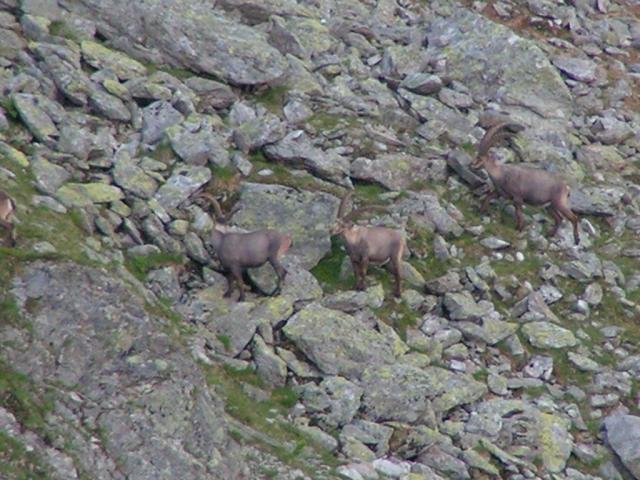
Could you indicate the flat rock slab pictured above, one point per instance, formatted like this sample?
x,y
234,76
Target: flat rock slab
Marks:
x,y
306,216
548,335
399,171
400,392
623,434
337,343
85,194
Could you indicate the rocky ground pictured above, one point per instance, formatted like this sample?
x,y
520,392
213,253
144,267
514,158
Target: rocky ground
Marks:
x,y
510,355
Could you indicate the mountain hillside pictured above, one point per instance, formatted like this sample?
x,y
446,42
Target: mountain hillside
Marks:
x,y
509,354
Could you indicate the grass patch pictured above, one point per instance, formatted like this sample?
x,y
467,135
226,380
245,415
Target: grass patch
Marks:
x,y
17,394
274,434
141,265
327,271
399,316
59,28
273,98
18,463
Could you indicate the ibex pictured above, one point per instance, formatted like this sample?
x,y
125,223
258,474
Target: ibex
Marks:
x,y
524,185
369,244
239,251
7,209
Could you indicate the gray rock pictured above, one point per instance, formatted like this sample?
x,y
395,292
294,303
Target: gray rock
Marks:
x,y
401,392
296,149
422,83
424,209
35,117
460,161
156,118
304,215
106,374
337,343
109,106
444,463
197,142
580,69
128,175
192,36
623,434
258,132
333,403
49,177
398,171
184,181
269,367
462,306
449,282
548,335
216,94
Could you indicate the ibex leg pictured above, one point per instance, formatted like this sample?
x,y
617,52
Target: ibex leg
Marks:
x,y
281,271
396,269
230,280
487,198
557,218
573,218
364,265
519,216
10,236
237,275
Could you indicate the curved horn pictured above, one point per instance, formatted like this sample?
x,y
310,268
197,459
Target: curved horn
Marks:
x,y
358,211
343,205
216,206
495,134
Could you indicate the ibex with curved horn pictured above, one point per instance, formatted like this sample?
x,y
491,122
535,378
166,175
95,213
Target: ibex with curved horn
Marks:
x,y
239,251
524,185
7,210
369,244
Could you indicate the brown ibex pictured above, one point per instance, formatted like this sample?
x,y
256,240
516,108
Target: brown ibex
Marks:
x,y
369,244
239,251
524,185
7,210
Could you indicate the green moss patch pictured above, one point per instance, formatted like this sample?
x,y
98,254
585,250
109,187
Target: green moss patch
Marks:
x,y
266,418
18,463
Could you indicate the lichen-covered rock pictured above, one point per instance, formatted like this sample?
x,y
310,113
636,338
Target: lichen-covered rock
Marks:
x,y
399,171
156,118
333,403
548,335
85,194
191,35
555,441
184,180
400,392
109,352
133,179
623,435
296,149
337,343
34,116
305,215
99,56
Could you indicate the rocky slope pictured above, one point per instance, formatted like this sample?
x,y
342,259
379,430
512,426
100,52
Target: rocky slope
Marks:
x,y
510,355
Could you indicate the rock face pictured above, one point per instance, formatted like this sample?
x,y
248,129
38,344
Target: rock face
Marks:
x,y
508,355
190,35
623,432
98,345
304,215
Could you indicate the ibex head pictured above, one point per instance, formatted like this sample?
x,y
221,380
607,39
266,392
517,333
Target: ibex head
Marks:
x,y
499,132
220,218
343,222
7,210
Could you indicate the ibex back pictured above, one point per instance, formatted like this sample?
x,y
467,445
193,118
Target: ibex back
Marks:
x,y
239,251
369,244
524,185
